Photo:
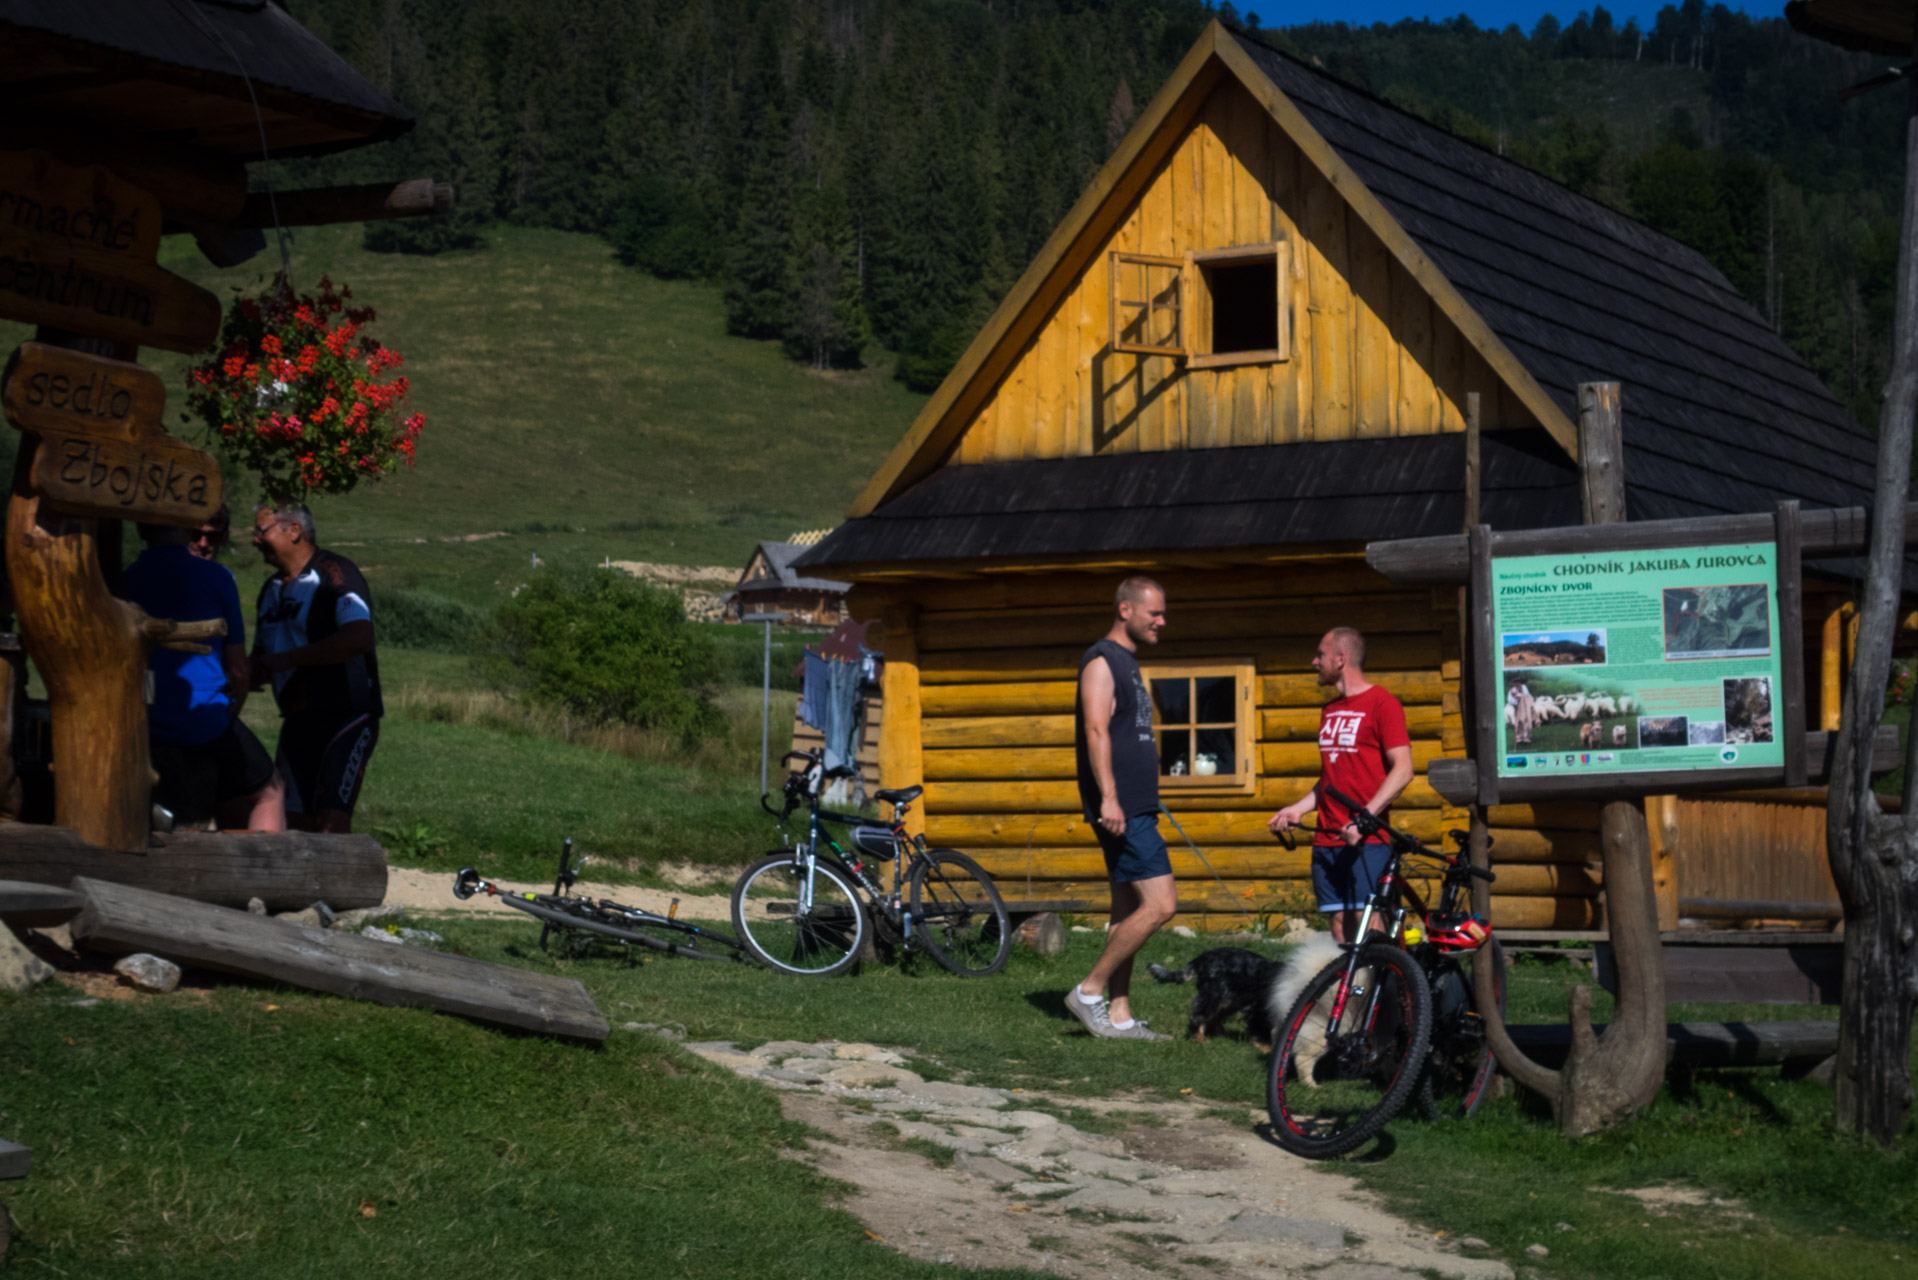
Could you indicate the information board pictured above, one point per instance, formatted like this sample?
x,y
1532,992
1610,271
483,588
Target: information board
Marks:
x,y
1638,662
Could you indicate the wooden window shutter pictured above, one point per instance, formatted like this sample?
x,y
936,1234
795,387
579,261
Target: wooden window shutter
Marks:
x,y
1146,310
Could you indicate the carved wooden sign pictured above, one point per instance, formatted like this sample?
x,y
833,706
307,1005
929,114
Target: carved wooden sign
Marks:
x,y
77,251
102,450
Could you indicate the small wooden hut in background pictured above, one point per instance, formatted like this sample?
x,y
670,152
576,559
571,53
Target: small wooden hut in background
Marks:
x,y
1248,350
770,584
129,120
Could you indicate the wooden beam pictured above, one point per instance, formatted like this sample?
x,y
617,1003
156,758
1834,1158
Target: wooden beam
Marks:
x,y
901,749
319,206
118,919
1791,639
1601,453
16,1161
27,905
287,871
1456,779
1705,1044
1444,559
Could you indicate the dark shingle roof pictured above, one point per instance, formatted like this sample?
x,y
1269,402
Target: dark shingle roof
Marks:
x,y
780,558
1211,498
80,58
1720,414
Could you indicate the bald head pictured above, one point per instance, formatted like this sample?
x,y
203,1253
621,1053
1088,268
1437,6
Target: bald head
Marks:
x,y
1350,643
1341,658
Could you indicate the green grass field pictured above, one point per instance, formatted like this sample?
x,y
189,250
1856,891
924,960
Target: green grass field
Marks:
x,y
584,409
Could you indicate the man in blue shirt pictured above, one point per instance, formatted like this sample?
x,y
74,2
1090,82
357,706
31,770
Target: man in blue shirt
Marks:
x,y
211,766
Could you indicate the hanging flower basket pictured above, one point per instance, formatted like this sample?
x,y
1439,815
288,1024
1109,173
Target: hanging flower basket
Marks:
x,y
298,394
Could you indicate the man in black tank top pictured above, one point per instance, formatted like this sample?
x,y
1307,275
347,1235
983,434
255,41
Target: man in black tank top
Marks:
x,y
1118,758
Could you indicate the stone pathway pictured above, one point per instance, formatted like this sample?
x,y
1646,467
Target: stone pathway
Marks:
x,y
1194,1195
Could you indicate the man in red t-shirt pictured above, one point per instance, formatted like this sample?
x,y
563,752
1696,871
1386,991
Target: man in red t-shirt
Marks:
x,y
1364,752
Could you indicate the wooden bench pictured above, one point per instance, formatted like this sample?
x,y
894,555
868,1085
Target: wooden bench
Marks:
x,y
1803,973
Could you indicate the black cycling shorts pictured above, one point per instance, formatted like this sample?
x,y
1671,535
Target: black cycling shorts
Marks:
x,y
323,758
196,780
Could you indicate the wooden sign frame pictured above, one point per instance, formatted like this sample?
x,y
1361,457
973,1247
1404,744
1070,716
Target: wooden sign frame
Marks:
x,y
1483,545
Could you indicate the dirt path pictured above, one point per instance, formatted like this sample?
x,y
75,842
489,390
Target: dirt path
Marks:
x,y
1171,1189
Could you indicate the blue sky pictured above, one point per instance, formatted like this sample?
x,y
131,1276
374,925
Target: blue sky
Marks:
x,y
1487,13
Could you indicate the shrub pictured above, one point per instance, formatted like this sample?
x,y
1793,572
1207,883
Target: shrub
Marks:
x,y
606,647
405,618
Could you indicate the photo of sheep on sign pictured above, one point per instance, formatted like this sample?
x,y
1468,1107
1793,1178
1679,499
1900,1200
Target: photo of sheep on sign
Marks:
x,y
1559,712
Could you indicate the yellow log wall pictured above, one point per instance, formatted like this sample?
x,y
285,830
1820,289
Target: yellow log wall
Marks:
x,y
1373,356
997,661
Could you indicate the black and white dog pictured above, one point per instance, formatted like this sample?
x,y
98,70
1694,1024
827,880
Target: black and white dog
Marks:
x,y
1233,980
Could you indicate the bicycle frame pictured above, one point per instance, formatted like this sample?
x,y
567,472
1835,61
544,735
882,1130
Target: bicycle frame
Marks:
x,y
807,850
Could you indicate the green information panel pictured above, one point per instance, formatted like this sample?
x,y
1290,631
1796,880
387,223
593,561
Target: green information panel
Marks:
x,y
1638,661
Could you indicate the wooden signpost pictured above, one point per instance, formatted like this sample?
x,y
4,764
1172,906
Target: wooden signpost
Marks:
x,y
102,450
78,250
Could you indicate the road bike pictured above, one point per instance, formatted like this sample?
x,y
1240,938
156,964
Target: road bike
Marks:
x,y
810,908
1394,1017
573,924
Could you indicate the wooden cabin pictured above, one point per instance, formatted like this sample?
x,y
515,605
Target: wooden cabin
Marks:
x,y
1248,350
770,584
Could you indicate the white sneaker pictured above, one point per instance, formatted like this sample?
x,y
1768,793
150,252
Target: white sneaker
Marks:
x,y
1094,1015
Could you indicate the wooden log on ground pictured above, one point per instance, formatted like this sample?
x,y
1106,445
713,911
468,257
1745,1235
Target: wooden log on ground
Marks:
x,y
287,871
118,919
1705,1044
27,905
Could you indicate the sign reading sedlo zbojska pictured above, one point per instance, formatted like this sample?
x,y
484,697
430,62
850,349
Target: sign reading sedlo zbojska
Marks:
x,y
102,451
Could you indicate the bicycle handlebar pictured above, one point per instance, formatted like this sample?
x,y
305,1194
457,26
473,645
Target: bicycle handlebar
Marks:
x,y
467,883
1369,824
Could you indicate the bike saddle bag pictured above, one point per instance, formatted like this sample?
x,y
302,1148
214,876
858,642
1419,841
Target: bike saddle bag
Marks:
x,y
873,840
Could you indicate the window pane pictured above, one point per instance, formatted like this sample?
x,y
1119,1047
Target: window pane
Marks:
x,y
1217,753
1217,700
1173,698
1175,758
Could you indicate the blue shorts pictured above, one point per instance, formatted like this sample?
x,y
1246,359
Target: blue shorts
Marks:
x,y
1345,875
1139,854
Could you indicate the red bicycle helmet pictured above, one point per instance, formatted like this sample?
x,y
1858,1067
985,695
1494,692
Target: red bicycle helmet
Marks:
x,y
1458,932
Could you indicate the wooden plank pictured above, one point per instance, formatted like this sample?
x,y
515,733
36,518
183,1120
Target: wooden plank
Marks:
x,y
1000,762
1300,618
1416,812
26,904
1329,307
1486,687
1303,757
118,919
1416,412
16,1161
1401,651
1016,697
996,731
1703,1044
1791,636
1426,687
287,871
1301,724
1709,909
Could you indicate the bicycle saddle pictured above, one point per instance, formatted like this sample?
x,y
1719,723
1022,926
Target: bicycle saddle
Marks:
x,y
902,795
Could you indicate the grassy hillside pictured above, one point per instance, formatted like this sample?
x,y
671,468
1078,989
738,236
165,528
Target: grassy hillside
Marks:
x,y
582,408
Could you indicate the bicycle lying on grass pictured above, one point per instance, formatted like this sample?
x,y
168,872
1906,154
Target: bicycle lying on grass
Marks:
x,y
577,924
807,909
1393,1016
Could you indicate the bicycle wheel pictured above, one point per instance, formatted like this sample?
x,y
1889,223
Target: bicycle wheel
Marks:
x,y
959,915
1330,1089
670,936
1459,1070
807,929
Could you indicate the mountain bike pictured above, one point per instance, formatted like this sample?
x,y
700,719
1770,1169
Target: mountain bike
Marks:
x,y
574,925
809,908
1394,1016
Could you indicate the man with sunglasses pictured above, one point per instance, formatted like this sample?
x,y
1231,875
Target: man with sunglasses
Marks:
x,y
314,644
211,766
210,539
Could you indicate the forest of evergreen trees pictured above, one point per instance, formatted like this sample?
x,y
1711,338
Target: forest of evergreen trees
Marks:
x,y
862,173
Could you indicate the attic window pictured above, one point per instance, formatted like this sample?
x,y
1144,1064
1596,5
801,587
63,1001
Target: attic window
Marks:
x,y
1147,314
1243,305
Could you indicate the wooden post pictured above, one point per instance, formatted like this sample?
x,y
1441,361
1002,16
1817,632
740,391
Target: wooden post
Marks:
x,y
1791,637
1874,855
1479,837
91,650
1601,453
900,762
1661,819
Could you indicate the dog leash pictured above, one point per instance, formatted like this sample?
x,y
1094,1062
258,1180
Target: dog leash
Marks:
x,y
1195,848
